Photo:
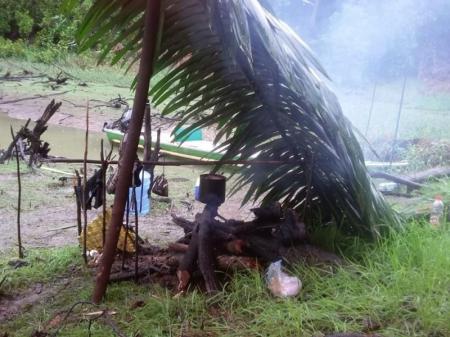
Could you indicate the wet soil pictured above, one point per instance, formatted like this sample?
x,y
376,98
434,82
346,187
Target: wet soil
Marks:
x,y
48,207
14,304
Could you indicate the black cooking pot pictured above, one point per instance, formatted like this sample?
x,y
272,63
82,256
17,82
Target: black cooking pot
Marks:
x,y
212,189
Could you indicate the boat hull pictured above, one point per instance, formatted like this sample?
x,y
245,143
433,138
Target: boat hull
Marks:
x,y
186,150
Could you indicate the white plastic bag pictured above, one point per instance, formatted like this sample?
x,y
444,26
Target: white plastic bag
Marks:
x,y
281,284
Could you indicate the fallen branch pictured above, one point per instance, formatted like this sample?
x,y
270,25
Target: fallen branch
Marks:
x,y
7,154
435,172
34,97
414,180
125,276
397,179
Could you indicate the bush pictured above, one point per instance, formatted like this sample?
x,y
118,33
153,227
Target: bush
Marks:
x,y
39,30
12,49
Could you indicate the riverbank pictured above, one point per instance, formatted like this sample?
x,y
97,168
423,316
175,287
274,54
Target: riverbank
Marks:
x,y
26,91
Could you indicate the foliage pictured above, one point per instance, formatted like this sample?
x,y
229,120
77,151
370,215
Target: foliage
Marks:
x,y
41,23
43,266
9,48
401,283
267,95
428,154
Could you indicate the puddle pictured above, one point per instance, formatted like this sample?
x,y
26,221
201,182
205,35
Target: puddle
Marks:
x,y
64,141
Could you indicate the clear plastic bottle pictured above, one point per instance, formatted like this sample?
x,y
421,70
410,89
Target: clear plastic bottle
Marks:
x,y
143,202
437,211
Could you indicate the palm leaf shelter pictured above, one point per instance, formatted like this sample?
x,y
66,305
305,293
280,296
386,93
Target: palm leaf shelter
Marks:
x,y
232,65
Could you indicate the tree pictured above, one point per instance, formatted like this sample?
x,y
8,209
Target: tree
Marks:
x,y
247,73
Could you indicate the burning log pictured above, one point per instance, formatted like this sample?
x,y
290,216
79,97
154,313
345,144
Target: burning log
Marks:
x,y
212,242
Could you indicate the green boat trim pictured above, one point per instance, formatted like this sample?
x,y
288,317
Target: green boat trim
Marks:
x,y
198,149
201,149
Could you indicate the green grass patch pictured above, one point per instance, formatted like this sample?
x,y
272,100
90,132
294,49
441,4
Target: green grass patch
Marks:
x,y
43,265
401,282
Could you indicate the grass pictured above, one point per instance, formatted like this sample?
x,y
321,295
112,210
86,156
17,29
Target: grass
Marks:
x,y
425,113
401,282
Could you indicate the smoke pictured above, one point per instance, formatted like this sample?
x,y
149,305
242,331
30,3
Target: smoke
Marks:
x,y
362,41
371,40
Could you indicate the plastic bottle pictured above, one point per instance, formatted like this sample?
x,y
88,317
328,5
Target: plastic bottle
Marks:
x,y
437,211
142,199
197,189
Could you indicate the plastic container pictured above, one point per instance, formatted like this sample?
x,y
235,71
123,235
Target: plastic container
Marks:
x,y
193,136
437,211
143,202
197,189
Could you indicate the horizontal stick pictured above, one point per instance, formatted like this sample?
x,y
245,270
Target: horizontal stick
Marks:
x,y
178,163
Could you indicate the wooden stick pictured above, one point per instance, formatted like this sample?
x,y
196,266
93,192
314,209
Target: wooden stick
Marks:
x,y
372,103
127,222
34,97
7,153
397,125
148,52
77,197
181,162
400,180
104,168
206,258
19,198
136,231
85,183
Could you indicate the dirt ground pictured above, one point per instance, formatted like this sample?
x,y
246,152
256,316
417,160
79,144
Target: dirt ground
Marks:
x,y
48,207
48,217
27,97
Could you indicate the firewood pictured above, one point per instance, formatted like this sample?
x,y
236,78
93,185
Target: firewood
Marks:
x,y
227,262
187,264
206,259
178,247
270,212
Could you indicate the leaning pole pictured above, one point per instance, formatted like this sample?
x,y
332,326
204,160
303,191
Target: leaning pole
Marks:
x,y
151,24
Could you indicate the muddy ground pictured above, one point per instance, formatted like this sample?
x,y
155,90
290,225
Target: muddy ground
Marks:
x,y
48,217
48,206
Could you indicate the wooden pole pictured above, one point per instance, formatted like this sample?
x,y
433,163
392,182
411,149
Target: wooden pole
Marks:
x,y
136,230
151,26
104,168
19,197
127,223
193,162
77,196
397,125
85,184
372,103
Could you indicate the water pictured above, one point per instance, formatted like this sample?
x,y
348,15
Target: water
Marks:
x,y
64,141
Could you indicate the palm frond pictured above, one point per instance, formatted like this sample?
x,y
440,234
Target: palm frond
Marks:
x,y
251,76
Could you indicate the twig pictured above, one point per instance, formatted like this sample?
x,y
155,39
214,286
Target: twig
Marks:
x,y
8,152
62,228
107,319
399,114
19,197
192,162
104,168
372,103
127,221
77,196
85,183
3,280
20,78
34,97
63,321
136,228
